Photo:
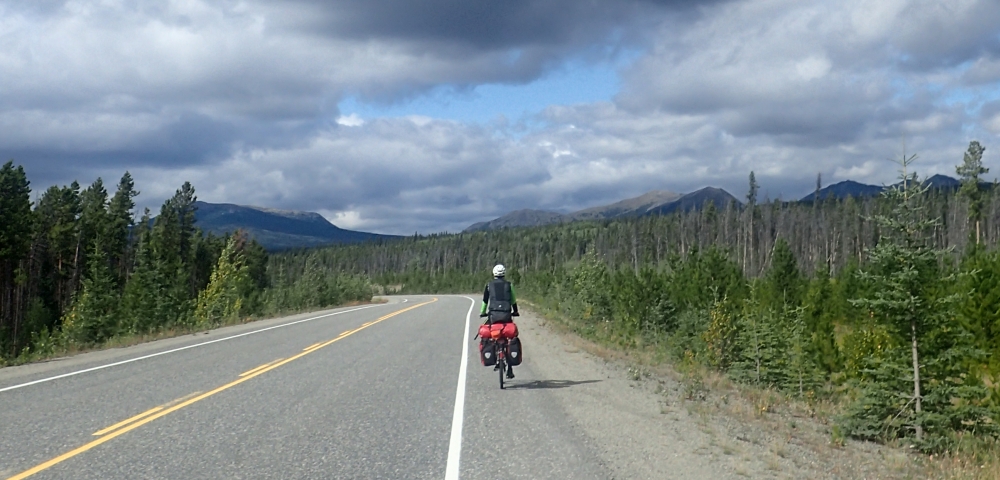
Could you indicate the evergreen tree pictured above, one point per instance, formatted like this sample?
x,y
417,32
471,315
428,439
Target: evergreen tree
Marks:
x,y
969,172
819,313
56,235
93,316
183,203
980,306
15,236
783,280
899,263
94,225
140,297
904,273
118,239
171,272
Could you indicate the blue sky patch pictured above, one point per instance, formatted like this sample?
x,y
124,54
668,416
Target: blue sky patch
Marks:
x,y
576,83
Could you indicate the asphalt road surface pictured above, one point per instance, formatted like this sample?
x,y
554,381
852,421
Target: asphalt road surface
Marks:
x,y
379,391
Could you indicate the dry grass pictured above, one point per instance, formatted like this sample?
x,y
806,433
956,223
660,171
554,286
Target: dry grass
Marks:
x,y
780,448
977,465
773,463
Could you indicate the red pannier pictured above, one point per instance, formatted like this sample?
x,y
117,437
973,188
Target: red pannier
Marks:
x,y
501,330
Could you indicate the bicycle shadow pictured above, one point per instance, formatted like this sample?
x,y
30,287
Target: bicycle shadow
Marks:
x,y
546,384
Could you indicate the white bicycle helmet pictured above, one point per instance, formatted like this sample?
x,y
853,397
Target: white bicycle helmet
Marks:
x,y
499,271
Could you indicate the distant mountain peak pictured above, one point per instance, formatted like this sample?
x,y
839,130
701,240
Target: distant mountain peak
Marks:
x,y
844,189
275,229
524,217
630,206
851,188
649,203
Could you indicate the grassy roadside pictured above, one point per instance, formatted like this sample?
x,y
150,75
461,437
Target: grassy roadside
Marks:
x,y
788,426
57,349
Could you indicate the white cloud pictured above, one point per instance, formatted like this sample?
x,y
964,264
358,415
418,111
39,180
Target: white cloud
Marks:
x,y
813,67
993,124
240,98
352,120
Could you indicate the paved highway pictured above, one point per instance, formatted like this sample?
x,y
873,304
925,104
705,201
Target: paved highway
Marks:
x,y
378,391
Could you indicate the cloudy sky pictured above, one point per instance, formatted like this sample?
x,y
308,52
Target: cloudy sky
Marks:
x,y
402,117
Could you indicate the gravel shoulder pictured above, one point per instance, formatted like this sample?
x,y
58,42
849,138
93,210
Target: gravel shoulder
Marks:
x,y
645,422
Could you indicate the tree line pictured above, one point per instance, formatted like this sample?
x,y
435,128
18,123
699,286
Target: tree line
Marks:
x,y
888,306
77,268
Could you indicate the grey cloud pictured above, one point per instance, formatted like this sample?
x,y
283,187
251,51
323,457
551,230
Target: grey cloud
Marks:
x,y
933,34
985,71
817,73
131,83
490,25
401,176
241,99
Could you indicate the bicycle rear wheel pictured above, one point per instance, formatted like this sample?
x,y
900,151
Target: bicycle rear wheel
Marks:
x,y
502,370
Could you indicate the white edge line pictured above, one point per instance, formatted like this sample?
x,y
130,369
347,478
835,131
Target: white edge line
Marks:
x,y
78,372
455,445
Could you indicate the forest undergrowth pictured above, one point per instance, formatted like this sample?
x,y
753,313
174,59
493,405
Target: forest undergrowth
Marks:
x,y
707,391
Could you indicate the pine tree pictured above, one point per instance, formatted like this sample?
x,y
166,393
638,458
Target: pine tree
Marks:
x,y
969,171
904,275
183,203
783,279
899,263
140,297
93,317
819,312
981,307
171,273
15,235
57,234
118,238
94,225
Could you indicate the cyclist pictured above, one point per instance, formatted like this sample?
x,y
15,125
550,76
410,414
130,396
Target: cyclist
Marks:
x,y
499,303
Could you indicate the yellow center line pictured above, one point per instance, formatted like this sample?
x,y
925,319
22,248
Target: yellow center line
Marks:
x,y
310,347
128,421
178,400
161,413
248,372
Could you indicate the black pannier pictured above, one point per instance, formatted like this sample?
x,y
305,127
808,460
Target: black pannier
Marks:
x,y
516,355
487,352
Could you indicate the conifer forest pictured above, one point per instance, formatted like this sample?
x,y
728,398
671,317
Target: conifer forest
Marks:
x,y
78,269
887,306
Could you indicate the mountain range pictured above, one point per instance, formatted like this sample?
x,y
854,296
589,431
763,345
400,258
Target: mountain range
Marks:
x,y
276,229
657,202
285,229
854,189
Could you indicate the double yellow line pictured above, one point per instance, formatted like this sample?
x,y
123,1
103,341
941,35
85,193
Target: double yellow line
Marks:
x,y
143,418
